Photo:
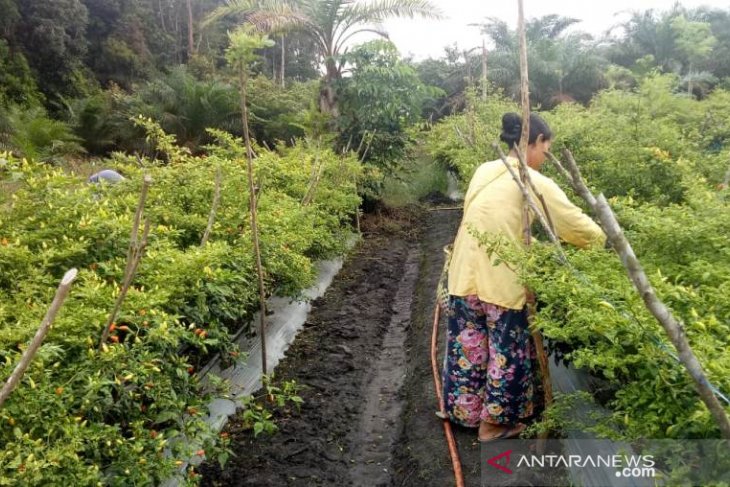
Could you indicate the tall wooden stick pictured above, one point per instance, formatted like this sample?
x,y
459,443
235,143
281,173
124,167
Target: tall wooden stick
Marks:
x,y
524,178
524,78
134,255
529,200
314,180
283,61
484,70
559,166
214,207
673,328
243,79
40,335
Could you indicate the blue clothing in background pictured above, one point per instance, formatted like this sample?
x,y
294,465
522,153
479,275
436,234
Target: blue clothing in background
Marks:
x,y
107,175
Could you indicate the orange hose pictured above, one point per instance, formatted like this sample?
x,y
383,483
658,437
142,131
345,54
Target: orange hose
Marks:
x,y
453,450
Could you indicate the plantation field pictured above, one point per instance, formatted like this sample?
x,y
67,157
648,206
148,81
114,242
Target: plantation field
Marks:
x,y
256,139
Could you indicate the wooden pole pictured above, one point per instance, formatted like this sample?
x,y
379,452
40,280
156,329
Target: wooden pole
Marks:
x,y
484,70
450,440
134,255
40,335
214,207
524,178
283,61
673,328
542,215
317,170
243,79
524,78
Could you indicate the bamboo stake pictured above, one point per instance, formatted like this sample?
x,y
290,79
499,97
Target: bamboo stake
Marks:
x,y
484,70
146,182
564,172
367,147
314,182
134,255
528,197
524,78
673,328
243,79
524,175
283,61
35,344
213,208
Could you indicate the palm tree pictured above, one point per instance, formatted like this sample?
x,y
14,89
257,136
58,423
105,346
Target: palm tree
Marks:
x,y
331,24
647,33
562,66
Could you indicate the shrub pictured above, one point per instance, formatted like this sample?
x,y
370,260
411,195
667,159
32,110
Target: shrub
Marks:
x,y
110,416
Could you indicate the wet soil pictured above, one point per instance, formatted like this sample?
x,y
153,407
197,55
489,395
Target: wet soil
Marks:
x,y
363,361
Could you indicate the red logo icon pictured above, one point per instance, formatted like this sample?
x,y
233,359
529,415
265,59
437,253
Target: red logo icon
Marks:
x,y
506,455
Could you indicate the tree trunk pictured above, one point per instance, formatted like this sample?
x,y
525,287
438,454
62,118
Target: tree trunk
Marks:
x,y
283,61
469,79
689,81
191,41
162,17
484,70
243,79
327,95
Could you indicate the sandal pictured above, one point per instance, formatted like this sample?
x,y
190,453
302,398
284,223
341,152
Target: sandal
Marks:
x,y
509,432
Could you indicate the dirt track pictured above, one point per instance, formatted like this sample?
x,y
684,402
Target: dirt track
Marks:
x,y
363,357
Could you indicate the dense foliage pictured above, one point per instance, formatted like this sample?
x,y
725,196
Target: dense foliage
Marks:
x,y
379,101
567,64
145,85
84,415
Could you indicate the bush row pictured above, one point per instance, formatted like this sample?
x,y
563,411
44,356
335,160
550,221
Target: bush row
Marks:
x,y
88,416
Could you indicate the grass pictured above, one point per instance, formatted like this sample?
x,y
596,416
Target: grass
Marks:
x,y
416,180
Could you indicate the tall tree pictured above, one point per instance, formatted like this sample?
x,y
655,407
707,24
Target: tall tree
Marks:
x,y
646,33
380,99
695,41
563,66
331,24
53,38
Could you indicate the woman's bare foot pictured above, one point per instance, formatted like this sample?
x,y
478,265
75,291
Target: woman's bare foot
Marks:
x,y
489,431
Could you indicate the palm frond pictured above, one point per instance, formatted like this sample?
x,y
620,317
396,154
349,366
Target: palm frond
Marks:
x,y
264,14
345,36
380,10
277,20
499,32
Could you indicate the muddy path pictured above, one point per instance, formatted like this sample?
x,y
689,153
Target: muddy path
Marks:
x,y
363,362
421,456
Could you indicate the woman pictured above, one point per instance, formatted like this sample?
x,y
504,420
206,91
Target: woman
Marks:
x,y
490,377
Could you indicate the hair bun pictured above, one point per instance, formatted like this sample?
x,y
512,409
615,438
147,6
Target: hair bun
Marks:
x,y
511,129
512,124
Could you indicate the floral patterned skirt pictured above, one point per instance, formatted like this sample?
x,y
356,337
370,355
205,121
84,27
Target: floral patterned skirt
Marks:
x,y
490,369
